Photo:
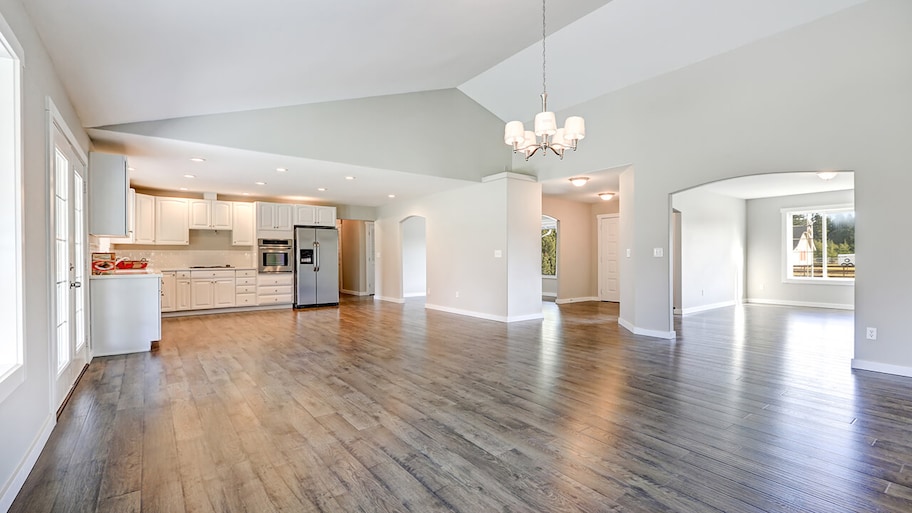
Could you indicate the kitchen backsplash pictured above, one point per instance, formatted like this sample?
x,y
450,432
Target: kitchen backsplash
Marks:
x,y
182,259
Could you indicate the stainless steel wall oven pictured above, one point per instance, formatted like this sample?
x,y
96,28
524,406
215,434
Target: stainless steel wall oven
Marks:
x,y
275,256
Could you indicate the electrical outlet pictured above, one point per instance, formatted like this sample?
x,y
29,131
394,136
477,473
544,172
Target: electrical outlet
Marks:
x,y
871,333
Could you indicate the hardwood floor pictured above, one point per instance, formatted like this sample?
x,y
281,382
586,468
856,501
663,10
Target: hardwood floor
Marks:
x,y
382,407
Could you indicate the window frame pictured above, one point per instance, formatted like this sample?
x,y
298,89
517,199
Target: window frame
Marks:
x,y
12,374
786,237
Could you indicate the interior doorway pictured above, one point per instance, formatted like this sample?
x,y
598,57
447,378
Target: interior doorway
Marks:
x,y
609,278
414,256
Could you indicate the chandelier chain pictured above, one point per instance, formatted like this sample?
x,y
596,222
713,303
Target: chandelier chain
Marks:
x,y
544,84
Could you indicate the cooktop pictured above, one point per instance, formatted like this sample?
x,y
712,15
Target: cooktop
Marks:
x,y
211,267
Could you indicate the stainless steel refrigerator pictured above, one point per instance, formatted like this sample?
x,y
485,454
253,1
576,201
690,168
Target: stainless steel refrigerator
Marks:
x,y
316,266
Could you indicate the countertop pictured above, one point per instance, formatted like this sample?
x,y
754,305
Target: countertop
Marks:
x,y
128,273
175,269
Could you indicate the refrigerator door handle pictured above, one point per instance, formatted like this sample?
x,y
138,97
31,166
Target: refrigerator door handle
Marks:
x,y
316,257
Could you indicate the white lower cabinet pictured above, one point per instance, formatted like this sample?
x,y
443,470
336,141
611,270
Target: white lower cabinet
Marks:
x,y
168,292
183,290
211,289
275,288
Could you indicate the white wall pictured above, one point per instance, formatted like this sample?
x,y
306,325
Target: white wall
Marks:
x,y
414,257
764,254
26,414
464,229
806,99
713,244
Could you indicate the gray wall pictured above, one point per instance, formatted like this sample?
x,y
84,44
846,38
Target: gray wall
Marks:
x,y
712,249
765,248
414,257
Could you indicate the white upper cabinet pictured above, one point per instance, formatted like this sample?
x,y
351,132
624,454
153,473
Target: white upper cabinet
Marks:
x,y
131,221
172,222
109,185
242,232
274,219
143,219
207,214
311,215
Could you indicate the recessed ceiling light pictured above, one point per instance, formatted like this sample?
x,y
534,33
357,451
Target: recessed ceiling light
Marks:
x,y
281,169
321,189
197,159
131,169
260,183
189,176
606,195
184,189
391,196
349,177
246,194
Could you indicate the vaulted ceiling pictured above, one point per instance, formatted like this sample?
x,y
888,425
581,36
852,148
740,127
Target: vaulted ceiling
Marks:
x,y
128,62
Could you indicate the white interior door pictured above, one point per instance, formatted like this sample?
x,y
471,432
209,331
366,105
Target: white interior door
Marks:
x,y
609,277
69,350
369,249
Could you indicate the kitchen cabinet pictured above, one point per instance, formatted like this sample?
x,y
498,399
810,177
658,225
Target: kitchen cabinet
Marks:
x,y
143,219
242,224
172,223
168,296
209,214
313,215
212,289
183,290
275,288
274,220
131,221
109,185
246,288
126,313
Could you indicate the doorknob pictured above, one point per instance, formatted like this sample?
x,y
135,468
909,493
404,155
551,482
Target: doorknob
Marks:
x,y
75,284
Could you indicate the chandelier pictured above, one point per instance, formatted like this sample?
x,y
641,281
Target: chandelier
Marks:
x,y
555,139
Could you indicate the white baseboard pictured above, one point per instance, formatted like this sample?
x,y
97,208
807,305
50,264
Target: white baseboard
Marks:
x,y
14,485
886,368
629,326
481,315
414,294
232,309
805,304
354,293
390,299
704,308
575,300
549,294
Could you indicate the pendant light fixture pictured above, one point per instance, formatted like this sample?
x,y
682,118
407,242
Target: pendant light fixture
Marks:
x,y
555,139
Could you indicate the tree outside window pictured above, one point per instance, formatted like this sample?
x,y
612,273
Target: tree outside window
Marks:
x,y
549,246
821,244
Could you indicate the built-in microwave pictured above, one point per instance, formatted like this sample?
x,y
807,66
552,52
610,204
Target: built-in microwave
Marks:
x,y
275,256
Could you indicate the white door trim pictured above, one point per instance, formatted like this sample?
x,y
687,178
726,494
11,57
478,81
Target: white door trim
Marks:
x,y
601,271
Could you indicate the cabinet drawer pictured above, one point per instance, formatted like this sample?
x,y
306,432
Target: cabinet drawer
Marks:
x,y
246,299
211,274
272,290
275,279
271,300
246,289
183,275
245,273
246,281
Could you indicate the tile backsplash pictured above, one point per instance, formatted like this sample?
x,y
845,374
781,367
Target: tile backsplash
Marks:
x,y
182,259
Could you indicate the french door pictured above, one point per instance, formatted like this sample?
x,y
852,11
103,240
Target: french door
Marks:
x,y
69,351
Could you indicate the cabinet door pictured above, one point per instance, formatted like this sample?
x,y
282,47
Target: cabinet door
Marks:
x,y
168,292
131,221
242,224
183,295
199,210
220,215
144,219
266,216
284,217
201,294
224,290
109,182
172,224
305,215
325,216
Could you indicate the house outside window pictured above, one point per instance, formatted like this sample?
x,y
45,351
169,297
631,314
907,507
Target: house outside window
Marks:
x,y
549,246
820,244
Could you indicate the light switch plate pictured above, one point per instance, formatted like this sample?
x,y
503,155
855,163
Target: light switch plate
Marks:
x,y
498,253
658,252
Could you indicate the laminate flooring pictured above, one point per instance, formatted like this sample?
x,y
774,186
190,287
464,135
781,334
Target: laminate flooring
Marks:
x,y
380,407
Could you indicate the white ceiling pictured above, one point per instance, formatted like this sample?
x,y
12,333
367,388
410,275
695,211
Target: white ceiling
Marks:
x,y
136,61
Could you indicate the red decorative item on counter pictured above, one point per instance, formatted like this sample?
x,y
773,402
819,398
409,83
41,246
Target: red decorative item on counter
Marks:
x,y
132,264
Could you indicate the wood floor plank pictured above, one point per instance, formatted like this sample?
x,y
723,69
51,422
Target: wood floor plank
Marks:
x,y
374,406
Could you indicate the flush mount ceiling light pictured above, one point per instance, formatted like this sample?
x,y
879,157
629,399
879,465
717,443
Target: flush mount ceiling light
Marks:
x,y
349,177
197,159
552,138
281,169
826,175
259,183
606,195
390,195
321,189
579,181
189,176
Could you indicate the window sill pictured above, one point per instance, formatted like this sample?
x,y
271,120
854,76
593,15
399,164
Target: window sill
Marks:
x,y
843,282
549,277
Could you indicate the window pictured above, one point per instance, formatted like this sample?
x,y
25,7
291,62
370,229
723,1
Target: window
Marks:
x,y
11,315
820,244
549,246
